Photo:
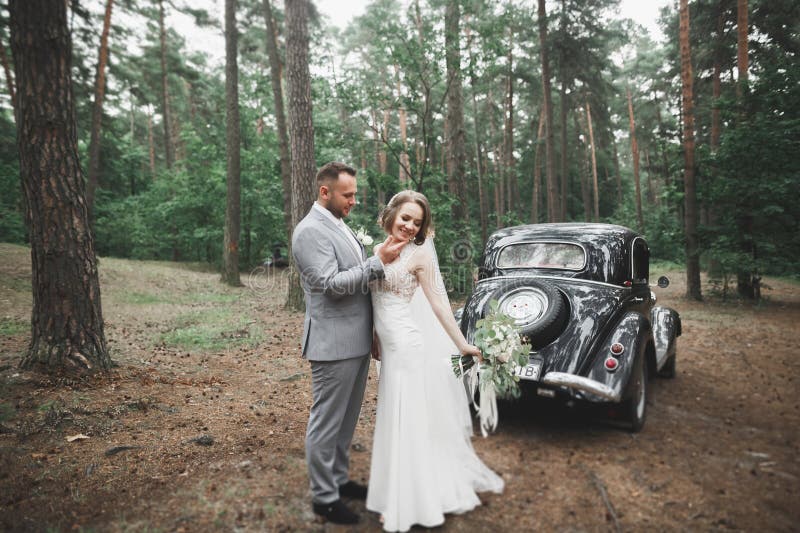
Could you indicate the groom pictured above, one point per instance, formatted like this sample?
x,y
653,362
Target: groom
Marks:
x,y
337,335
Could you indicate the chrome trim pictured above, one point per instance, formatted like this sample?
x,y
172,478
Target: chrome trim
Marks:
x,y
581,246
562,278
562,379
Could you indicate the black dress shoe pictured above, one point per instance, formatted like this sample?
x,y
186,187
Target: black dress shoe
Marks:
x,y
351,489
336,512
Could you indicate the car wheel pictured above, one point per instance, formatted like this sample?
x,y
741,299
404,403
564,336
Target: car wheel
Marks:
x,y
545,302
635,407
668,370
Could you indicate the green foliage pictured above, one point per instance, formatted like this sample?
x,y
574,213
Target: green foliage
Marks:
x,y
213,329
11,326
758,177
12,226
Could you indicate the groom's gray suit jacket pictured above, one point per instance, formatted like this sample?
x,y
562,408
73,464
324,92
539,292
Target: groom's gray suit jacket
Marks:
x,y
338,321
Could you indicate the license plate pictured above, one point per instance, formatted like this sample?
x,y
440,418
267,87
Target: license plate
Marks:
x,y
531,372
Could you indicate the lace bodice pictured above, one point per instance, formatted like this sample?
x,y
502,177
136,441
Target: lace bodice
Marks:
x,y
397,280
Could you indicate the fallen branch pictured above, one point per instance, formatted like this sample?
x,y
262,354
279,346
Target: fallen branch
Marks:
x,y
601,488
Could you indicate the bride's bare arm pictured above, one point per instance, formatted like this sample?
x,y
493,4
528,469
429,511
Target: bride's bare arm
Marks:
x,y
424,267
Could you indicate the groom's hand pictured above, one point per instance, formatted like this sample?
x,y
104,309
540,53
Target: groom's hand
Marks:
x,y
376,348
390,249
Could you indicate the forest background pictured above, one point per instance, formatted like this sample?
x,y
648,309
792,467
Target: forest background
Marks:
x,y
501,112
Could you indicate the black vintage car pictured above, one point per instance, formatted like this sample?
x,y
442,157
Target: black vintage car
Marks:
x,y
580,293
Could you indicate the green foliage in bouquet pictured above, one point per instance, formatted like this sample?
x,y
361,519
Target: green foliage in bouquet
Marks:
x,y
503,352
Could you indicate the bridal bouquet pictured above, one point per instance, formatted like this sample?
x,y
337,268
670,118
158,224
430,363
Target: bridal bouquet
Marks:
x,y
503,352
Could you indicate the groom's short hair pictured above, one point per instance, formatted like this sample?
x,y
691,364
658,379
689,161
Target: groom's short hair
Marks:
x,y
330,171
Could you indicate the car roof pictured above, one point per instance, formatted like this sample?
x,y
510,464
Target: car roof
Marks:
x,y
582,232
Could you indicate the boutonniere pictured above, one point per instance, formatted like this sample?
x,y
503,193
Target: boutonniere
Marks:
x,y
363,237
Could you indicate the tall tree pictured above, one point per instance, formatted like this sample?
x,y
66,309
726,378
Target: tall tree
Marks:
x,y
233,214
595,188
690,194
301,126
67,319
552,199
746,279
97,109
635,156
456,140
169,151
276,76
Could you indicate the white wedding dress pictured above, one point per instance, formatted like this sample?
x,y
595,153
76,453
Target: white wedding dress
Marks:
x,y
423,463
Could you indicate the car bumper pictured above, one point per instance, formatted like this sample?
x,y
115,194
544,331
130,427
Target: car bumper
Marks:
x,y
580,383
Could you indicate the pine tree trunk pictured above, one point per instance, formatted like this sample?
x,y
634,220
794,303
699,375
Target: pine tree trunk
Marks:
x,y
552,198
301,127
97,110
233,214
564,190
595,187
635,155
537,170
276,76
456,139
508,156
714,265
67,320
169,154
580,126
690,195
151,145
9,76
616,170
482,196
404,172
746,278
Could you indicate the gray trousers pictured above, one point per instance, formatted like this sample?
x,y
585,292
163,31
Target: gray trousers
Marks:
x,y
337,388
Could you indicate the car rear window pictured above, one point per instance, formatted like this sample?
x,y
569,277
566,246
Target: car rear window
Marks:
x,y
563,256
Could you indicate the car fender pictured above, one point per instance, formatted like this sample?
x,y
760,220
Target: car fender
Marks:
x,y
634,333
666,329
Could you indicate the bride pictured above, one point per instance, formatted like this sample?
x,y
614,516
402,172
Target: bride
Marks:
x,y
423,463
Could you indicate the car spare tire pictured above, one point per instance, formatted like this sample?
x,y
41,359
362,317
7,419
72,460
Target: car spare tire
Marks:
x,y
539,309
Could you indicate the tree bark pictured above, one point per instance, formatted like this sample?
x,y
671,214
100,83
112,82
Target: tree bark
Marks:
x,y
276,76
580,126
747,284
456,139
635,155
97,110
616,170
537,170
482,200
233,213
301,126
404,174
690,195
67,330
151,145
169,154
595,188
552,199
508,137
563,174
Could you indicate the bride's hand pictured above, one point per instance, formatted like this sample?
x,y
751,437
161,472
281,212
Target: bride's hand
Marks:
x,y
473,351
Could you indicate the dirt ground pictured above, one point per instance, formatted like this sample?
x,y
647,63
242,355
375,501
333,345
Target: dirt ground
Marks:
x,y
200,427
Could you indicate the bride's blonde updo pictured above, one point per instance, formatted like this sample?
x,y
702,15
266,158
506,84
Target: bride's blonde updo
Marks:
x,y
389,213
